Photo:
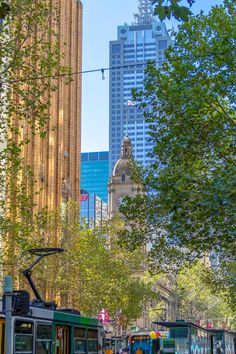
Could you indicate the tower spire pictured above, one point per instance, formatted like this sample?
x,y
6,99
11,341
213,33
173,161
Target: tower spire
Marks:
x,y
145,14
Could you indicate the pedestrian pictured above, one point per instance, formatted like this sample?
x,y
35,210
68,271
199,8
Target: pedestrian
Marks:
x,y
125,350
139,351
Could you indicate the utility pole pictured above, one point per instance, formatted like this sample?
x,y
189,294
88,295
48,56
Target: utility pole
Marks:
x,y
8,290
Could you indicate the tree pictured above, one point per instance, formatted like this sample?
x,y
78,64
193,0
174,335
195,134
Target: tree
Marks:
x,y
106,280
90,275
199,302
223,278
166,9
188,204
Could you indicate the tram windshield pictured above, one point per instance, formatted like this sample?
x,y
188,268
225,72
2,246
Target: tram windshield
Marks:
x,y
140,344
153,343
23,337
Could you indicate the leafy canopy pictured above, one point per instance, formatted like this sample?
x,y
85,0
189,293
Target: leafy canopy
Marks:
x,y
198,299
166,9
188,205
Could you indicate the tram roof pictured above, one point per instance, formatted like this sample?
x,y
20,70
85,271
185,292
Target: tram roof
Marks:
x,y
59,315
182,324
218,330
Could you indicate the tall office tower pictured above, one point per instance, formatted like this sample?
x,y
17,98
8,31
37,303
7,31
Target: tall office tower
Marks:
x,y
145,39
94,182
55,160
94,173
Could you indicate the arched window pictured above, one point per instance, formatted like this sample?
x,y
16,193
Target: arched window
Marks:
x,y
123,177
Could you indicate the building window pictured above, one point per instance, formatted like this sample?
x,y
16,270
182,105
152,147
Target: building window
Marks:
x,y
116,48
123,178
162,44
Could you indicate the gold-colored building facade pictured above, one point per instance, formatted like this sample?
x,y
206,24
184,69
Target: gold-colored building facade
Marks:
x,y
55,159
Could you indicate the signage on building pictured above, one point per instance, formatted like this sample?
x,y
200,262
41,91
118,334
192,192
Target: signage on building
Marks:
x,y
83,197
134,328
209,325
104,317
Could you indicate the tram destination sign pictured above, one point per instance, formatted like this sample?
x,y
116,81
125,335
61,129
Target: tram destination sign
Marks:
x,y
138,337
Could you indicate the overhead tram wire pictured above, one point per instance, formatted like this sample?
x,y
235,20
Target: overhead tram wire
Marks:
x,y
102,70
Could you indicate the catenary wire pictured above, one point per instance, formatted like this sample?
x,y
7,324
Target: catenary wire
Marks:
x,y
110,68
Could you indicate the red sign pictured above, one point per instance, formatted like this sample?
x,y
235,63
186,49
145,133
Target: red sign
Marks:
x,y
209,325
104,317
83,197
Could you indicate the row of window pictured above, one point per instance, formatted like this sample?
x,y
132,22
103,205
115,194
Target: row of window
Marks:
x,y
141,137
95,156
130,51
28,334
115,71
129,83
141,56
131,133
132,59
24,335
139,45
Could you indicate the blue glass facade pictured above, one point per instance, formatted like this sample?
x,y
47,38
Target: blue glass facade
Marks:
x,y
144,40
94,173
93,210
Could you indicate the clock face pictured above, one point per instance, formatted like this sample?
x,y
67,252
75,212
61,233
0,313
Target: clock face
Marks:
x,y
120,199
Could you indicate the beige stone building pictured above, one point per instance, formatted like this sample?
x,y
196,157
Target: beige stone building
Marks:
x,y
120,183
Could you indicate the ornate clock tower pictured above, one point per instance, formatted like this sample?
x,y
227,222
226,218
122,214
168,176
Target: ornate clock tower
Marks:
x,y
120,183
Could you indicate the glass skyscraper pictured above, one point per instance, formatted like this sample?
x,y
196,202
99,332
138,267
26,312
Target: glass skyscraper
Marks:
x,y
94,173
144,40
93,210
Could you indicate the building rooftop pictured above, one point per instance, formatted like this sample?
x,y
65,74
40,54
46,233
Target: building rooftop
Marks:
x,y
95,156
145,14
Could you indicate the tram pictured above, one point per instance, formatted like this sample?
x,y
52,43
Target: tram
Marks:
x,y
147,342
178,337
225,341
190,338
113,345
40,328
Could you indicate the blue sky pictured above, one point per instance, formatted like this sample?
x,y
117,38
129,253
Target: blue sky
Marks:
x,y
100,21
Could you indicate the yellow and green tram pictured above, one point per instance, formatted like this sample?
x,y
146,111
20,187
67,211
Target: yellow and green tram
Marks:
x,y
45,331
40,328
